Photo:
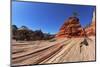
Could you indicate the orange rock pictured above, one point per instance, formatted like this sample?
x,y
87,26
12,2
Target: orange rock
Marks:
x,y
70,28
90,31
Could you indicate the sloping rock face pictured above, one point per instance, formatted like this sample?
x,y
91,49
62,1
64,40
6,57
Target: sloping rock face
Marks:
x,y
90,30
70,28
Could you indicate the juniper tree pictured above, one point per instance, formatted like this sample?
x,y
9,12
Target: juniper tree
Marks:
x,y
75,14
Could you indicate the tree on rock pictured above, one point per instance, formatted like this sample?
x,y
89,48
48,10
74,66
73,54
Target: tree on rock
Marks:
x,y
75,14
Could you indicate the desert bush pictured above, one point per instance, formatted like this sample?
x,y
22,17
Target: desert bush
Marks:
x,y
52,40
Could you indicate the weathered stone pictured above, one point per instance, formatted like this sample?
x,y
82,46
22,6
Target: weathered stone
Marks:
x,y
70,28
90,30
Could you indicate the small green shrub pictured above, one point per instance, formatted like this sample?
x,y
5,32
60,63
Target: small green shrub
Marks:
x,y
52,40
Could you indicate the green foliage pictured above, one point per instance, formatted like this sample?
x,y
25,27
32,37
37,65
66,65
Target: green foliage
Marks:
x,y
75,14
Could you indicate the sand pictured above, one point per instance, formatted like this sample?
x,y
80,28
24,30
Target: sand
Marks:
x,y
59,51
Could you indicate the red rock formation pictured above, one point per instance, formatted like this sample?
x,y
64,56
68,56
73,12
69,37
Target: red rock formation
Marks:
x,y
70,28
90,30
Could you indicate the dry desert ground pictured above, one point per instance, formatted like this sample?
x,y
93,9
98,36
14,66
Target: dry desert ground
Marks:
x,y
44,52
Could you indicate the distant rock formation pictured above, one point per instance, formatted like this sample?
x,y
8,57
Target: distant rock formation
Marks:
x,y
25,34
70,28
23,28
14,29
90,30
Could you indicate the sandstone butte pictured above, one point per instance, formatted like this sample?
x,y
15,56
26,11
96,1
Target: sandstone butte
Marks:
x,y
73,28
70,28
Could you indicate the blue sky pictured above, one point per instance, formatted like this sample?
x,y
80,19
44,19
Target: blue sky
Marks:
x,y
48,17
14,0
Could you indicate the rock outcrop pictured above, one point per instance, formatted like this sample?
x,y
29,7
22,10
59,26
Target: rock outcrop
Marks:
x,y
90,30
25,34
70,28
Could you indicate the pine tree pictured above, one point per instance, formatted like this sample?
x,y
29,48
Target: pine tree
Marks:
x,y
75,14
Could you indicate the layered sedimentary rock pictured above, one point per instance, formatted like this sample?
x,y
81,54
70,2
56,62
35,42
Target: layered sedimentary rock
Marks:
x,y
90,30
70,28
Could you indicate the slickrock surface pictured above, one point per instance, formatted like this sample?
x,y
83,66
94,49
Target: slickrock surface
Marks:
x,y
59,51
